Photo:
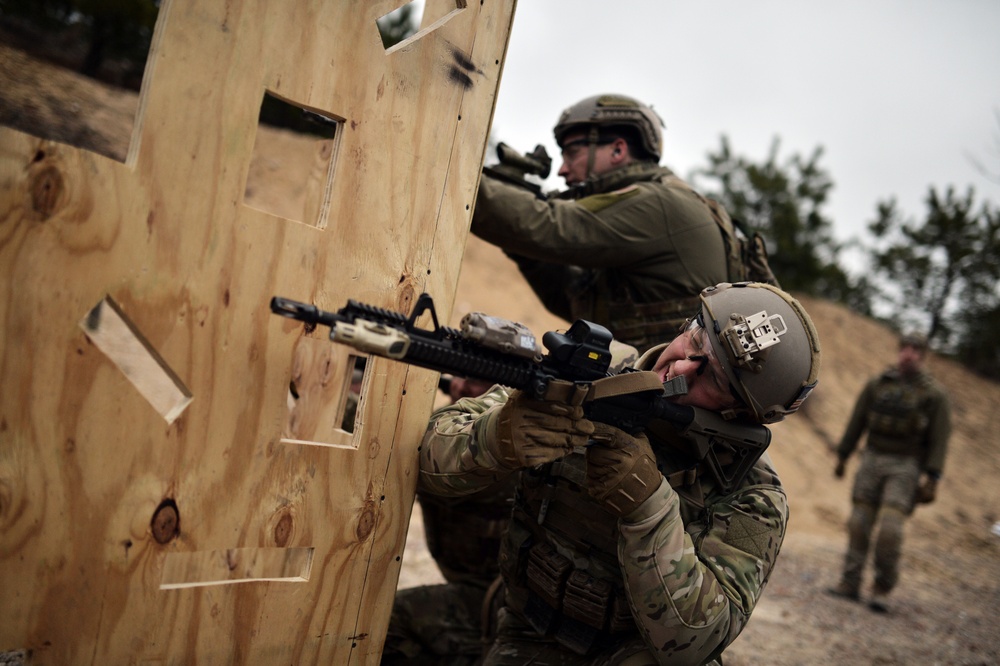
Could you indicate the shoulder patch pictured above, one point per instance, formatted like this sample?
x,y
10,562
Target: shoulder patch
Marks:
x,y
598,202
628,188
748,535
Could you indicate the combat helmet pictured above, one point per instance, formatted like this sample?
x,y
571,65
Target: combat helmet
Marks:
x,y
913,339
605,111
767,345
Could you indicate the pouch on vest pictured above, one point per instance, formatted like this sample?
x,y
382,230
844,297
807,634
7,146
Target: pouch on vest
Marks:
x,y
547,572
897,410
746,252
587,599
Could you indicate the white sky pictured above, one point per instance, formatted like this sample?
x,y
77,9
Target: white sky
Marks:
x,y
898,92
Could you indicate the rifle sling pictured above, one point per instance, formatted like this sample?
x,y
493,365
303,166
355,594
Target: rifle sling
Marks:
x,y
625,383
572,393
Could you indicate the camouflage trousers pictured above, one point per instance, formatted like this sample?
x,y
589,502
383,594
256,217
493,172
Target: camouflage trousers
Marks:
x,y
436,624
884,489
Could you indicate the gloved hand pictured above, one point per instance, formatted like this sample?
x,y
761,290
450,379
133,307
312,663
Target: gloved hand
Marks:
x,y
838,471
533,432
621,469
927,490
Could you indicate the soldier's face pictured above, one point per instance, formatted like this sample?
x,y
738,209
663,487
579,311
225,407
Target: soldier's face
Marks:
x,y
690,355
575,154
911,359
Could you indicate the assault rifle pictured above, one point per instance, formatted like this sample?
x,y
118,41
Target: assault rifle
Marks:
x,y
515,167
507,353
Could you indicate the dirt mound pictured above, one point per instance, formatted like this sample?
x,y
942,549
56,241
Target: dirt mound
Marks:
x,y
948,598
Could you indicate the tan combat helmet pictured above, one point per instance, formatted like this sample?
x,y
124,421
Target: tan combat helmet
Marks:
x,y
605,111
767,345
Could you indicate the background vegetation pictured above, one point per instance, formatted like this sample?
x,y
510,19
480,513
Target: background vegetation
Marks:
x,y
936,273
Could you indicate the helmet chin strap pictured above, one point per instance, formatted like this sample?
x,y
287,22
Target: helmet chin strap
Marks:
x,y
592,137
676,386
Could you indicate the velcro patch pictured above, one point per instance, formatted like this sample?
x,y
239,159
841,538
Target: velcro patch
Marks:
x,y
598,202
747,535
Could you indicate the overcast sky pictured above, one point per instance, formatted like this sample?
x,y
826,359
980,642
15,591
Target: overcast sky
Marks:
x,y
899,93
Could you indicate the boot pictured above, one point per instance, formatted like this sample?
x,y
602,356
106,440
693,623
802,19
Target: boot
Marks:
x,y
879,601
845,590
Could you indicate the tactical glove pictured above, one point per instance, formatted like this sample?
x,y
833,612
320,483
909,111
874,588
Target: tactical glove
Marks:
x,y
621,469
533,432
927,490
838,471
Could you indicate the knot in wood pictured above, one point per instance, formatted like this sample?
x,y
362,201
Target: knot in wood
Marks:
x,y
47,188
166,522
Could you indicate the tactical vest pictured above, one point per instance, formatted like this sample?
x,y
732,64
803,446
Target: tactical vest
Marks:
x,y
578,600
898,417
641,325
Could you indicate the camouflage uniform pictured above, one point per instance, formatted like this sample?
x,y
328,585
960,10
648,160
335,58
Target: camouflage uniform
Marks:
x,y
453,622
629,250
908,423
673,582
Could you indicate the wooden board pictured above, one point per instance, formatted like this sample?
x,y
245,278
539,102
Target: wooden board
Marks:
x,y
163,499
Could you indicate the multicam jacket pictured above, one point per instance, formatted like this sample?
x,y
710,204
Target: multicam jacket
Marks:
x,y
683,571
904,415
632,252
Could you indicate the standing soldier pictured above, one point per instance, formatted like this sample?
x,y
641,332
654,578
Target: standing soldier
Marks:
x,y
907,416
629,245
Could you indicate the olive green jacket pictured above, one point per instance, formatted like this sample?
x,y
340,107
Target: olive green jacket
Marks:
x,y
637,236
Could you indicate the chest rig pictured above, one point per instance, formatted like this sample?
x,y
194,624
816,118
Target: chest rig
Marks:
x,y
602,295
559,557
899,407
560,561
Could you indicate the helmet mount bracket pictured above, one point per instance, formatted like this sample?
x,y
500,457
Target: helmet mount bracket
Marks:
x,y
748,338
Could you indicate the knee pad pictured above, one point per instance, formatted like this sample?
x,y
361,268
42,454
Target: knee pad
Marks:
x,y
892,520
862,517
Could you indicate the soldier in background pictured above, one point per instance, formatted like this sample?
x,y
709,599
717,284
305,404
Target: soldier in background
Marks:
x,y
637,549
628,245
908,420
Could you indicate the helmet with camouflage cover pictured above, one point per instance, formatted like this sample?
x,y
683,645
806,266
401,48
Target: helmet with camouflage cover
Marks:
x,y
602,112
767,345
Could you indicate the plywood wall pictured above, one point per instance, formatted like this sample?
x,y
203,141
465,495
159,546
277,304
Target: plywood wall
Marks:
x,y
163,499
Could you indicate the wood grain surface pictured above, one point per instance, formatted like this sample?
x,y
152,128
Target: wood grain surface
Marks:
x,y
234,525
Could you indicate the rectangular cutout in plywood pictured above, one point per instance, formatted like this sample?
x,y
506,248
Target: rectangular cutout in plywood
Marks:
x,y
299,175
324,394
235,565
119,338
413,20
98,54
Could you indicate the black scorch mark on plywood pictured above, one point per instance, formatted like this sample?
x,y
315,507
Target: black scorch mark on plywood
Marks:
x,y
461,68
